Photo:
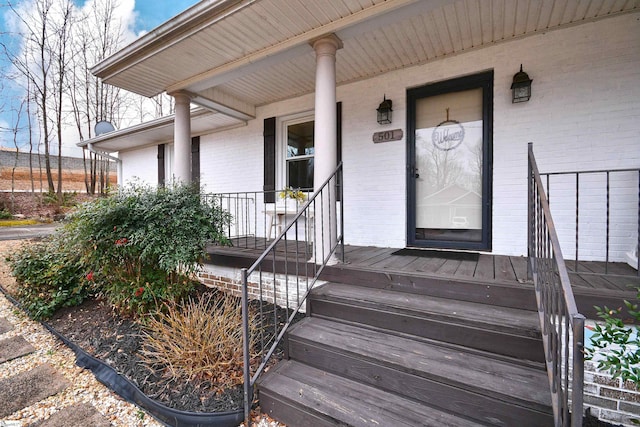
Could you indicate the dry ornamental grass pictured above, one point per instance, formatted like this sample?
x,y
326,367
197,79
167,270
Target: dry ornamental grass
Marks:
x,y
199,339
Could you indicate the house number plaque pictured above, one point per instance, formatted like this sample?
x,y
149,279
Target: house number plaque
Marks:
x,y
387,135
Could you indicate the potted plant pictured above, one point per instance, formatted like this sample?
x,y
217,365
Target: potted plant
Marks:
x,y
294,194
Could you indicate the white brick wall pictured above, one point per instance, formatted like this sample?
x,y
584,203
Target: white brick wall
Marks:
x,y
610,400
583,114
140,164
232,161
230,280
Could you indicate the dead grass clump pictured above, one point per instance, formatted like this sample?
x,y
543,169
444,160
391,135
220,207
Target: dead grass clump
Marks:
x,y
199,339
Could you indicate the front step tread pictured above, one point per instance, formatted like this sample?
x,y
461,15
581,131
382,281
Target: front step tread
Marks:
x,y
339,401
511,320
502,380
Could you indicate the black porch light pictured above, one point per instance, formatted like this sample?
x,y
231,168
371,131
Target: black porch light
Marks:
x,y
521,87
385,111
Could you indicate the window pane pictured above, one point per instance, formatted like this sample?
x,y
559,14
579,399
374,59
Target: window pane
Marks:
x,y
300,173
449,150
300,139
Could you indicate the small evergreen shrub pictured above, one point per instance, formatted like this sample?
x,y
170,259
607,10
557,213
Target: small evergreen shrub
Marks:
x,y
62,200
5,214
618,342
138,247
143,244
50,276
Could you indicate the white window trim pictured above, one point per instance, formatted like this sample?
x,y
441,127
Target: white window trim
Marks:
x,y
169,178
282,123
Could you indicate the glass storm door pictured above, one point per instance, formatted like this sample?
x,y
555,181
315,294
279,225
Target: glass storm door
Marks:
x,y
449,163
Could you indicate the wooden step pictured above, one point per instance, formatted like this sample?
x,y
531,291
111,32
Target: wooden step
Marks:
x,y
494,292
501,330
493,391
300,395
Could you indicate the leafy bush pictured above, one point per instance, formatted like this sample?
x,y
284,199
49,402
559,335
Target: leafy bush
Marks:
x,y
618,342
138,248
5,214
199,339
50,276
142,244
61,200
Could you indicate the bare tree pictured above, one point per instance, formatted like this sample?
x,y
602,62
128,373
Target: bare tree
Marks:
x,y
16,131
92,100
33,63
52,59
59,51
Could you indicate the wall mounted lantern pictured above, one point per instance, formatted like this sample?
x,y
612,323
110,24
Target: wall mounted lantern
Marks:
x,y
521,87
385,111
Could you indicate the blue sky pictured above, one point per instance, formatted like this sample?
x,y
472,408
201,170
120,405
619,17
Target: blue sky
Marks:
x,y
148,15
152,13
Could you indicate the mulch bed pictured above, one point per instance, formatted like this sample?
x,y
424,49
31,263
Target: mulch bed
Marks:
x,y
118,341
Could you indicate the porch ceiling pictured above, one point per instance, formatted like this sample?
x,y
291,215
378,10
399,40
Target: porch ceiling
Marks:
x,y
234,55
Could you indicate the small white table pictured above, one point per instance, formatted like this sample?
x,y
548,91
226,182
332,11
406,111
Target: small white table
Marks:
x,y
277,216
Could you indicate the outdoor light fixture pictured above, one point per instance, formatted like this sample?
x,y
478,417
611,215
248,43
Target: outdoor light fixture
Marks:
x,y
521,87
385,111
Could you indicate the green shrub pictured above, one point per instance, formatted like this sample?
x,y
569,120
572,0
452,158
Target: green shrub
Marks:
x,y
65,199
5,214
143,244
618,342
138,248
50,277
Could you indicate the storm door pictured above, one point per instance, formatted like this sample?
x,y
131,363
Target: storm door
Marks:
x,y
449,132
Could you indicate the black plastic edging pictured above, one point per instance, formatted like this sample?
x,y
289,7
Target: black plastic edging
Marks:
x,y
131,393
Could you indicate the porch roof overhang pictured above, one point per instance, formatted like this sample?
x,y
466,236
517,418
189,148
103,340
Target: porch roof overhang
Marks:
x,y
161,131
232,56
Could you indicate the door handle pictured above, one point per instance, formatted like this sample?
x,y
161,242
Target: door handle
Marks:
x,y
413,171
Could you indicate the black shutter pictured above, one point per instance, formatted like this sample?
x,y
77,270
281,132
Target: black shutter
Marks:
x,y
195,160
339,141
161,177
269,160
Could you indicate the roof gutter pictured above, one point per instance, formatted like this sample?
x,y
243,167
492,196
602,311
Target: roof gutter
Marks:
x,y
187,23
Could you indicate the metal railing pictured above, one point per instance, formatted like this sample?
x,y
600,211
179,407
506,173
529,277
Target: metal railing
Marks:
x,y
599,182
256,215
561,323
284,275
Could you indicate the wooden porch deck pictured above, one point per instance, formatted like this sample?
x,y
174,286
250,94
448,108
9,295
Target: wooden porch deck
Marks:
x,y
591,284
620,277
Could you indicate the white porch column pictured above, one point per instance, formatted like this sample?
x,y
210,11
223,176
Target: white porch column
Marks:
x,y
182,138
325,141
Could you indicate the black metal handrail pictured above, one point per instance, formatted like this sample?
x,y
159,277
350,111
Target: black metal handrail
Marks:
x,y
561,323
607,175
285,273
254,214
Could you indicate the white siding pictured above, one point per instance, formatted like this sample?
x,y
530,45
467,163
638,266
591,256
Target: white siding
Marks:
x,y
140,165
584,114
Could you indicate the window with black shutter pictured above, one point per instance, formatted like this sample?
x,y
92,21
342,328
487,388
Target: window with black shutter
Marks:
x,y
299,151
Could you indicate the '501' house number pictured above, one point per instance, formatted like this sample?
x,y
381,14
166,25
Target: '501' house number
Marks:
x,y
387,135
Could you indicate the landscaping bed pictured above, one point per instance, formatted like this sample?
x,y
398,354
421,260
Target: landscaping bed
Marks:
x,y
116,284
94,327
